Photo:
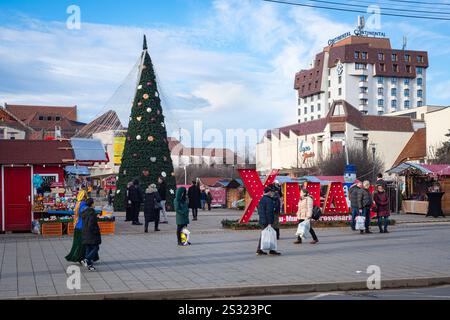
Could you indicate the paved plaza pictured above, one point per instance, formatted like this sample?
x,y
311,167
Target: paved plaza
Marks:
x,y
132,261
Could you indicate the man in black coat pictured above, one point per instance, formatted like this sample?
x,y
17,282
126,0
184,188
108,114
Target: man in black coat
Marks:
x,y
194,195
266,213
135,196
356,195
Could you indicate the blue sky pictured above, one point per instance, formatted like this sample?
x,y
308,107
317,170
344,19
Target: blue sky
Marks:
x,y
228,63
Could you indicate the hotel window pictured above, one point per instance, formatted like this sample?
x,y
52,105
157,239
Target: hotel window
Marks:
x,y
356,54
318,107
420,59
299,121
312,109
2,133
312,118
364,55
329,83
394,104
407,58
381,56
319,116
360,66
41,117
305,100
380,102
318,96
362,78
382,67
363,101
394,92
406,81
394,57
329,94
58,118
303,88
299,111
312,98
340,91
363,90
419,93
419,81
306,119
380,80
395,67
406,104
380,113
49,118
393,80
340,79
408,69
305,110
406,93
419,103
419,70
380,91
338,110
329,72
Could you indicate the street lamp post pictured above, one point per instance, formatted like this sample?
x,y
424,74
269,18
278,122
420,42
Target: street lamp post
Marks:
x,y
185,175
373,146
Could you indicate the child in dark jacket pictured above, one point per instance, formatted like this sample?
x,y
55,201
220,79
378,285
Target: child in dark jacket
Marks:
x,y
91,235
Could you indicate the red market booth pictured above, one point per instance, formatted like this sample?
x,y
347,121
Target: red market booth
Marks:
x,y
20,160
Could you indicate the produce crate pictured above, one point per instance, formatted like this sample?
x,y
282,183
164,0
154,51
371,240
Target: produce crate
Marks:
x,y
52,229
70,228
107,227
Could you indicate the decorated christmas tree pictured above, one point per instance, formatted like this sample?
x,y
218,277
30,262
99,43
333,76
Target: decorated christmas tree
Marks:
x,y
146,154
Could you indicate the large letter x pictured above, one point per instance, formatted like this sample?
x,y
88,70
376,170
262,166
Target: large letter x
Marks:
x,y
255,188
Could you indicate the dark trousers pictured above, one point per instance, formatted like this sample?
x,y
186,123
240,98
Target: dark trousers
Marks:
x,y
277,230
135,208
195,212
263,226
209,206
311,232
129,213
355,213
381,224
366,214
148,220
91,253
179,229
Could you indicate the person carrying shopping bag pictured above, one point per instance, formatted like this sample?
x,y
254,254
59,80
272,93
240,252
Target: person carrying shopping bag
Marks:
x,y
266,213
305,212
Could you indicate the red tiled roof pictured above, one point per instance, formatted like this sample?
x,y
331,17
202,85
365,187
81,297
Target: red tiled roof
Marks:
x,y
22,152
23,111
415,149
210,182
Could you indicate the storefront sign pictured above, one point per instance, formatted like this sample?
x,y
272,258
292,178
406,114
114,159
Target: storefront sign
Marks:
x,y
119,145
306,150
219,196
110,183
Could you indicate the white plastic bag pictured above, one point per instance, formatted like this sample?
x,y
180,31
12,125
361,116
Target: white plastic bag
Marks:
x,y
269,239
303,229
360,223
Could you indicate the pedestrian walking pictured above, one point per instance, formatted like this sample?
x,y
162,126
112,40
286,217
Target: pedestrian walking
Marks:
x,y
194,199
162,190
305,212
367,202
381,199
128,208
91,235
266,218
203,199
277,210
182,212
135,196
152,206
209,199
356,195
110,197
76,254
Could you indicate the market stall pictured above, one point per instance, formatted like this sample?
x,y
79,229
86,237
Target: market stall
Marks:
x,y
426,188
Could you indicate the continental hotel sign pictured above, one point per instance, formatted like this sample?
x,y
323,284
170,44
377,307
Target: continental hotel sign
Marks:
x,y
359,33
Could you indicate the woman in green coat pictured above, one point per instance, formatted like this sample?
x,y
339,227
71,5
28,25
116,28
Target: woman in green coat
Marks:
x,y
182,212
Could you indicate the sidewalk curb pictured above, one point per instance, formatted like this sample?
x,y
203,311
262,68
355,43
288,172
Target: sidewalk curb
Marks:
x,y
210,293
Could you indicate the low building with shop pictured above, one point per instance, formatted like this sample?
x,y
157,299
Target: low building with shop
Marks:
x,y
302,144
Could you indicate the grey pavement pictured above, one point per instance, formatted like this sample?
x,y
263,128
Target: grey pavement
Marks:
x,y
134,262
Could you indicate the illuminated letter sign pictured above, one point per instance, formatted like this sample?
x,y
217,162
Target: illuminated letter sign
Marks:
x,y
255,188
335,200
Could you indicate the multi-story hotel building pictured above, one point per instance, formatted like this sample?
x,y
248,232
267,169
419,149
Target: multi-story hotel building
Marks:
x,y
366,73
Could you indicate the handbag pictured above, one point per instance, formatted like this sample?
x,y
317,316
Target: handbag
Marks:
x,y
303,229
268,239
